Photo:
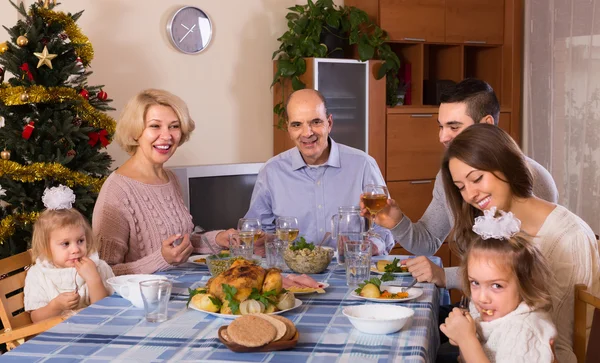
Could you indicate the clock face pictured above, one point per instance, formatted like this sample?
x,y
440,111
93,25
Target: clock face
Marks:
x,y
190,30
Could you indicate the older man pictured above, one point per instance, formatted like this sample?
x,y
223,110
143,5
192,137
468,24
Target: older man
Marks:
x,y
312,180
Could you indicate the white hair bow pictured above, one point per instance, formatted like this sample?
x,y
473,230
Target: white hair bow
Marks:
x,y
60,197
502,227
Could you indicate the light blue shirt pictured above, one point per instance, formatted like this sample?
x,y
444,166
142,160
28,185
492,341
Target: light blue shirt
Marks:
x,y
287,186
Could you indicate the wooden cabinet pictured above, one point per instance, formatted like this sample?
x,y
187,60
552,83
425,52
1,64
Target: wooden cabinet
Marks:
x,y
413,20
474,21
413,148
413,197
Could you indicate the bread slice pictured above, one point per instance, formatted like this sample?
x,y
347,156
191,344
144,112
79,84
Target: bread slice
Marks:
x,y
280,326
251,331
291,328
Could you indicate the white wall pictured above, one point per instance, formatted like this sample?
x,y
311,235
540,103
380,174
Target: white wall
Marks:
x,y
226,86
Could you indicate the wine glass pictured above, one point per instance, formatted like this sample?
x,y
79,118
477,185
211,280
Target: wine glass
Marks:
x,y
374,198
249,230
287,228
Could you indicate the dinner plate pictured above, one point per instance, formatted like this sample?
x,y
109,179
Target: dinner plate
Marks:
x,y
376,271
297,304
297,293
412,294
192,259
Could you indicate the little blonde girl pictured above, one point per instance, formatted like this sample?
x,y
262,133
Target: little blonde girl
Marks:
x,y
67,274
508,281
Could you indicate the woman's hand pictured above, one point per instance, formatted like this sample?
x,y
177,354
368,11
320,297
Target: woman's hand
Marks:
x,y
179,254
424,270
388,217
66,301
222,238
459,326
87,269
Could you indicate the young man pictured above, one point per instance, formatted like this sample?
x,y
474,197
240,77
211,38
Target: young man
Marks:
x,y
468,102
312,180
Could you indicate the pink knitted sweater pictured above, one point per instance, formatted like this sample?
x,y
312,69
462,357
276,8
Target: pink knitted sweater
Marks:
x,y
131,219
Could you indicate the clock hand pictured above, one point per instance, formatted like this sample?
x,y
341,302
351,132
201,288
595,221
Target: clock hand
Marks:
x,y
186,34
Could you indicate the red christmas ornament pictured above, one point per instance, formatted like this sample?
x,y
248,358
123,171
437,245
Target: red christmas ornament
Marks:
x,y
85,94
28,130
98,136
78,60
102,96
45,41
63,36
25,68
71,153
1,75
77,121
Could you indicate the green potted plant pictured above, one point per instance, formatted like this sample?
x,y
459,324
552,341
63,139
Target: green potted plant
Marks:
x,y
309,24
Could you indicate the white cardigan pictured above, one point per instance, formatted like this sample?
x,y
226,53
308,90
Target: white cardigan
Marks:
x,y
520,336
44,282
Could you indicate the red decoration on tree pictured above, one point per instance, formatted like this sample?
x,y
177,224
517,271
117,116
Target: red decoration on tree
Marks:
x,y
102,96
77,121
45,41
98,136
78,60
71,153
25,68
85,94
63,36
28,130
1,75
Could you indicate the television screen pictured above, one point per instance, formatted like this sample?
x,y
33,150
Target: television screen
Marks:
x,y
217,195
218,202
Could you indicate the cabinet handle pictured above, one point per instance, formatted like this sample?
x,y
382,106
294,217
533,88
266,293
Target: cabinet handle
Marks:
x,y
415,39
421,182
421,115
475,42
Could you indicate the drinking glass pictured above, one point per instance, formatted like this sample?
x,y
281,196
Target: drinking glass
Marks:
x,y
357,251
287,228
241,246
274,253
156,295
249,229
375,199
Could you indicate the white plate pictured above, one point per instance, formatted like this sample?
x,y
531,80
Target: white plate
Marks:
x,y
325,285
376,271
412,294
193,258
297,304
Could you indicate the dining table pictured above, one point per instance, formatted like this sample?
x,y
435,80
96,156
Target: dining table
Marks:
x,y
112,329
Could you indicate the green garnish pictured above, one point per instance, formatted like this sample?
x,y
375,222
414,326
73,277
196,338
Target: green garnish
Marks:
x,y
302,244
393,267
216,301
194,293
230,292
388,276
374,280
265,297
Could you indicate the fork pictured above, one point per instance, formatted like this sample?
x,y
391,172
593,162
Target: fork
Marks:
x,y
405,289
199,230
464,303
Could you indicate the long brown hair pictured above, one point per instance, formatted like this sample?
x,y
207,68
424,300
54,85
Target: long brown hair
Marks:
x,y
52,219
525,261
487,148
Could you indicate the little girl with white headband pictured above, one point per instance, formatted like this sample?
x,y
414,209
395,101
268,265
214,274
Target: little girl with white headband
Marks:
x,y
67,274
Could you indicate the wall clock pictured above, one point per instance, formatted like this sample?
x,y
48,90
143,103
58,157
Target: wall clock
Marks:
x,y
190,30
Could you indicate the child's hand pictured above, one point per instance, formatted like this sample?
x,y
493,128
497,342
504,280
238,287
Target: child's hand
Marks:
x,y
459,327
87,269
66,301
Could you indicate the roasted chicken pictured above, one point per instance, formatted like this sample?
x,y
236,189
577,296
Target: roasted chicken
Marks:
x,y
273,280
244,276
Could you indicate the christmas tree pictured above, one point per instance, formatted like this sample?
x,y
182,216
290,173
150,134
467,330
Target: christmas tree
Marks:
x,y
52,126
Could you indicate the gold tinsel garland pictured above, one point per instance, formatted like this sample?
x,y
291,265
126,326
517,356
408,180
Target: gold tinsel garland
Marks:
x,y
41,171
7,225
84,48
11,96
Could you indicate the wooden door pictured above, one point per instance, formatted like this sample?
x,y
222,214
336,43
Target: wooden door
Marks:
x,y
475,21
413,148
413,197
413,20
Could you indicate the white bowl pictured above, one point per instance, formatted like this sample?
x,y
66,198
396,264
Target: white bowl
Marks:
x,y
378,319
128,286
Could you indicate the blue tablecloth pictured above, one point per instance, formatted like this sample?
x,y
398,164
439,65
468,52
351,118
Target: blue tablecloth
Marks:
x,y
114,330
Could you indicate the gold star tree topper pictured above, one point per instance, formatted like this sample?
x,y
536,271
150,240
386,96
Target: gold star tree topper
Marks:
x,y
45,58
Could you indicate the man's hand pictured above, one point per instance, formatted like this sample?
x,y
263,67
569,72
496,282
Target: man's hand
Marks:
x,y
175,255
86,268
222,238
424,270
388,217
66,301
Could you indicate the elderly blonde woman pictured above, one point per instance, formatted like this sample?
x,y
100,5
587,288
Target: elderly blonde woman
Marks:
x,y
140,217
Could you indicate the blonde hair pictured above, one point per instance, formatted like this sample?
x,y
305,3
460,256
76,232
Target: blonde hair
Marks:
x,y
52,219
133,118
521,256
